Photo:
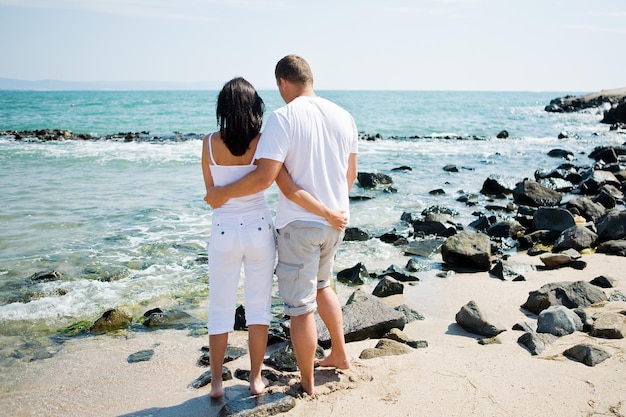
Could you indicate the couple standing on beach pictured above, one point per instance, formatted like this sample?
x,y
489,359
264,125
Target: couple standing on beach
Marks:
x,y
309,147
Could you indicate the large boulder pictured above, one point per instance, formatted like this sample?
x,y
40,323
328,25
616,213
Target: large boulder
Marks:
x,y
364,317
532,193
569,294
576,237
553,219
467,251
558,321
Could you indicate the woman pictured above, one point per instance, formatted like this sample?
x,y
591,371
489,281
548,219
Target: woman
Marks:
x,y
242,230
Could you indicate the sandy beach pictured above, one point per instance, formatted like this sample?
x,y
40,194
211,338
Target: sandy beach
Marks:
x,y
453,376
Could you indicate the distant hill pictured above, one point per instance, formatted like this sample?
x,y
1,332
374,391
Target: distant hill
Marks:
x,y
56,85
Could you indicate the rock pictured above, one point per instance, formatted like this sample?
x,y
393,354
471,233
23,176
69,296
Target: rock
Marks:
x,y
587,353
173,319
396,272
612,226
424,247
392,237
496,184
44,276
536,342
399,336
354,234
615,114
557,184
402,168
561,153
612,247
575,237
433,227
569,294
141,356
558,321
604,154
597,179
509,270
617,295
556,260
232,353
364,317
385,347
483,223
111,320
206,377
357,275
506,228
467,250
503,134
269,374
603,281
284,359
373,180
610,326
608,196
240,318
451,168
585,207
534,194
264,405
553,218
571,103
472,319
409,314
388,286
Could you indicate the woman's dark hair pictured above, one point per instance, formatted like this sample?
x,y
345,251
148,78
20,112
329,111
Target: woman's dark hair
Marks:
x,y
239,115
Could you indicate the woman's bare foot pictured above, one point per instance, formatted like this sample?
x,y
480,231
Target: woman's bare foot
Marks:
x,y
216,390
308,387
331,361
257,385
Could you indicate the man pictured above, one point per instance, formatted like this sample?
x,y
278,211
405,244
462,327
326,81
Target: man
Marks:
x,y
316,140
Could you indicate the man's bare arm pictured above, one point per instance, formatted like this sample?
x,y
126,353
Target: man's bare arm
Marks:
x,y
256,181
352,170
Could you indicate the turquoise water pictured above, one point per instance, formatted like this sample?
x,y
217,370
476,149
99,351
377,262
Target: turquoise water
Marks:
x,y
126,225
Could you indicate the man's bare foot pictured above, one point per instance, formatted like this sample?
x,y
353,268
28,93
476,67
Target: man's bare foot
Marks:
x,y
257,386
331,361
216,390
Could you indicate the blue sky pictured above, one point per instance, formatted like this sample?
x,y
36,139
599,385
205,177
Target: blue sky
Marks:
x,y
510,45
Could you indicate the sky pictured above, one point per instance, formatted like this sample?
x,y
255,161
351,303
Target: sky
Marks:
x,y
474,45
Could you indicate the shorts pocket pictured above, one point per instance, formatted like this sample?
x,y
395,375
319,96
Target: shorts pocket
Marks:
x,y
293,291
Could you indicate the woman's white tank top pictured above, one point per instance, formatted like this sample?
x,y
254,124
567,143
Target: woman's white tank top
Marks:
x,y
225,174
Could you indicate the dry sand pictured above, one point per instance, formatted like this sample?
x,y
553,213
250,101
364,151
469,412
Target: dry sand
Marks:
x,y
453,376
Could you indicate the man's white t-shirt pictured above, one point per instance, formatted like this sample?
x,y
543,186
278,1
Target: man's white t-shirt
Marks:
x,y
314,138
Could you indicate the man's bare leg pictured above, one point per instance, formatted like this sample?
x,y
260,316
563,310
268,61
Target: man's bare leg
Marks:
x,y
217,350
329,310
257,344
304,340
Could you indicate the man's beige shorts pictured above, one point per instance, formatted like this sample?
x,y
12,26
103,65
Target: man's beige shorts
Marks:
x,y
306,252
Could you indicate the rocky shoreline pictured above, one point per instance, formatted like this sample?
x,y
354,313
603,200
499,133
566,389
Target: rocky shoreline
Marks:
x,y
612,101
559,216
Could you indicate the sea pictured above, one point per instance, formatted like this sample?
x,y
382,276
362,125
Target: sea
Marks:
x,y
124,224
